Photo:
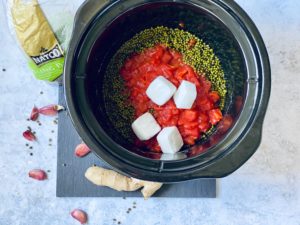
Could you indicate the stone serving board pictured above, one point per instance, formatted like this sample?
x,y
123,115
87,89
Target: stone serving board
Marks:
x,y
70,170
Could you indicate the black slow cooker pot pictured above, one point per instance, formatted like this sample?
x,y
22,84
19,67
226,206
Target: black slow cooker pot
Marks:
x,y
101,27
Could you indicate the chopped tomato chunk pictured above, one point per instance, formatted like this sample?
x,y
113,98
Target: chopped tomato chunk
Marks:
x,y
141,69
189,115
214,96
215,115
225,124
167,57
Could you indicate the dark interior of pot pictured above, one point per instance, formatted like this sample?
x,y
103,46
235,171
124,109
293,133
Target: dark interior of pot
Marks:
x,y
196,21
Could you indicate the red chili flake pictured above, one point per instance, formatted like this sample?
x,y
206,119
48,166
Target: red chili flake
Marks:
x,y
82,150
37,174
192,43
29,135
79,215
51,110
34,114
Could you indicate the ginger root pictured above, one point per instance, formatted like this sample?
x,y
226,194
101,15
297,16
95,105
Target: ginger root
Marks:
x,y
114,180
110,178
149,187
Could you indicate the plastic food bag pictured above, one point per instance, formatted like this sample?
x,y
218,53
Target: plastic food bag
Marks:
x,y
41,42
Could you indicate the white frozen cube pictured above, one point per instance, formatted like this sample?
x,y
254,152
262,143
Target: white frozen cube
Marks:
x,y
170,157
160,90
145,127
170,140
185,95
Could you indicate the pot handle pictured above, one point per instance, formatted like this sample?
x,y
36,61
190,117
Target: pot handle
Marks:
x,y
237,157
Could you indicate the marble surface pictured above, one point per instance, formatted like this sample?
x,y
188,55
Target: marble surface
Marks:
x,y
266,190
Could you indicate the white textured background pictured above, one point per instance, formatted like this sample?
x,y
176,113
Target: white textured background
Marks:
x,y
266,190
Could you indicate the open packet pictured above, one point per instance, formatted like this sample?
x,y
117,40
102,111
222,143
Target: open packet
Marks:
x,y
41,44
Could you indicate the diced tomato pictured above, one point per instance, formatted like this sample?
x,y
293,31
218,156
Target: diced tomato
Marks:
x,y
146,67
156,148
181,121
191,74
166,71
195,81
180,73
214,139
189,140
167,57
170,105
175,63
206,105
203,121
195,150
214,96
192,132
238,104
130,83
134,93
128,65
156,52
150,76
176,55
153,144
206,85
202,117
189,115
141,69
175,111
188,125
167,114
204,126
225,124
141,84
173,121
138,61
215,115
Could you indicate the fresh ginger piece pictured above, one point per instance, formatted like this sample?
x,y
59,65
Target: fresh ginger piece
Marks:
x,y
114,180
110,178
149,187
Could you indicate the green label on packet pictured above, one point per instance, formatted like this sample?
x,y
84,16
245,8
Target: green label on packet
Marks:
x,y
49,71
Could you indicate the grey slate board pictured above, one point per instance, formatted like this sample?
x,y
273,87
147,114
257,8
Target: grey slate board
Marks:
x,y
70,171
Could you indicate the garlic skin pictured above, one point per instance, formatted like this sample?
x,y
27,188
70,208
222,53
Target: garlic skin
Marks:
x,y
34,114
28,135
51,110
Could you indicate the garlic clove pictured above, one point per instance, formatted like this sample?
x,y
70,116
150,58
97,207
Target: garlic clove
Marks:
x,y
37,174
82,150
79,215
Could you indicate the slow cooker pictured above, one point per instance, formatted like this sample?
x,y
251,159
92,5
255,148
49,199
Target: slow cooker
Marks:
x,y
100,29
